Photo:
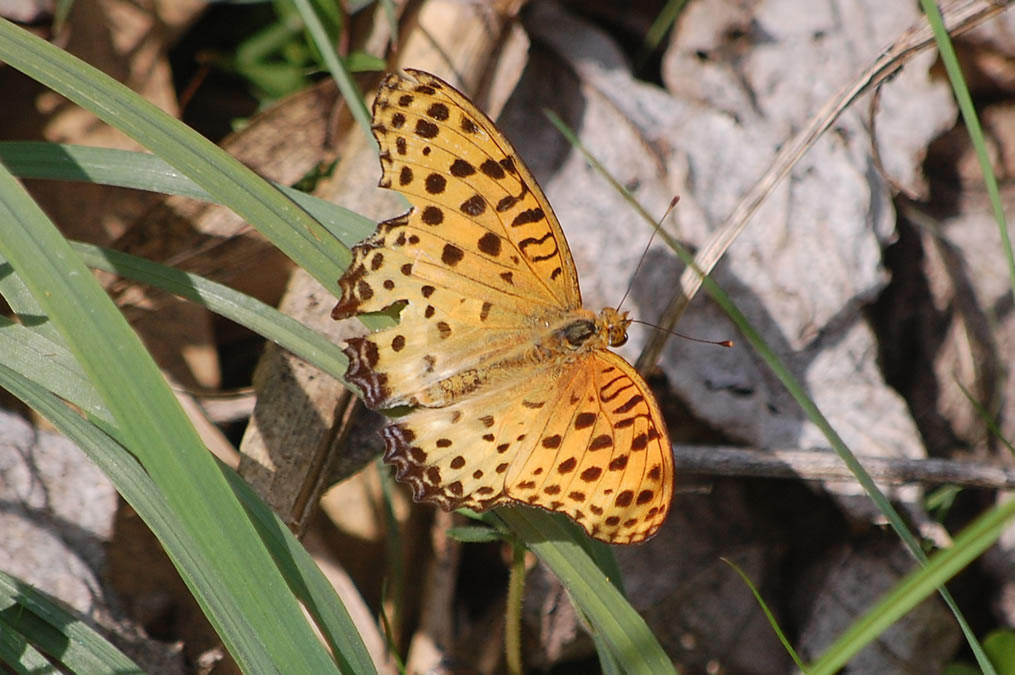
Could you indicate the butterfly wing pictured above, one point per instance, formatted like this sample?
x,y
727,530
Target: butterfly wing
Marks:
x,y
586,440
604,457
453,160
477,259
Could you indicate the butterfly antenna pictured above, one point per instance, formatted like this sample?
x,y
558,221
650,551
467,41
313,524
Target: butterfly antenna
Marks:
x,y
644,252
718,343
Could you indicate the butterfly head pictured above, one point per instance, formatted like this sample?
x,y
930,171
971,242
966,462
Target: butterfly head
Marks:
x,y
613,325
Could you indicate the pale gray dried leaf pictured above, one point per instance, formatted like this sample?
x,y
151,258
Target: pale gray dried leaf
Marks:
x,y
999,34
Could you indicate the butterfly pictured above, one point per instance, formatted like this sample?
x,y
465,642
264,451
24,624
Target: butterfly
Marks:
x,y
515,396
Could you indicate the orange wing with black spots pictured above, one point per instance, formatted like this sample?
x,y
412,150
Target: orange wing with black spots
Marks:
x,y
516,397
585,440
603,458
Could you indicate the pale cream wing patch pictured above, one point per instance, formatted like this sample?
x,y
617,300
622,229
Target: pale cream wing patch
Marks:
x,y
459,455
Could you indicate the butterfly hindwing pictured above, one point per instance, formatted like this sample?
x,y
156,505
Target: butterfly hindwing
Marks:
x,y
603,458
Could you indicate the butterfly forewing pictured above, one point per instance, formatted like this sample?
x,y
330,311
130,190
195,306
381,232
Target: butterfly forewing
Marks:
x,y
450,160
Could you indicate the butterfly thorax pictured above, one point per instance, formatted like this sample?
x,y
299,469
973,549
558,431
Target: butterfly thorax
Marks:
x,y
582,331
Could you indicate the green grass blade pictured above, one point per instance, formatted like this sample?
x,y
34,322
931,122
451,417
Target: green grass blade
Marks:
x,y
884,611
137,488
102,166
916,587
768,615
142,171
988,420
972,122
24,305
17,653
307,581
338,71
558,544
660,26
817,418
34,356
44,623
243,309
239,587
226,179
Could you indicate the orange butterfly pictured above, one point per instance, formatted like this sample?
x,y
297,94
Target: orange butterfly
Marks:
x,y
516,397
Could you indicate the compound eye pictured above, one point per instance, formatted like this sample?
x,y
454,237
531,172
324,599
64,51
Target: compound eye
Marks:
x,y
618,336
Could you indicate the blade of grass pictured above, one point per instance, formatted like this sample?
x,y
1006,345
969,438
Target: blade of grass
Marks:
x,y
393,595
18,654
768,615
23,303
222,176
307,581
51,366
513,611
972,121
968,111
139,490
558,544
988,420
660,26
263,319
600,554
142,171
389,15
45,624
147,172
18,351
916,587
817,418
353,99
49,363
25,348
239,587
